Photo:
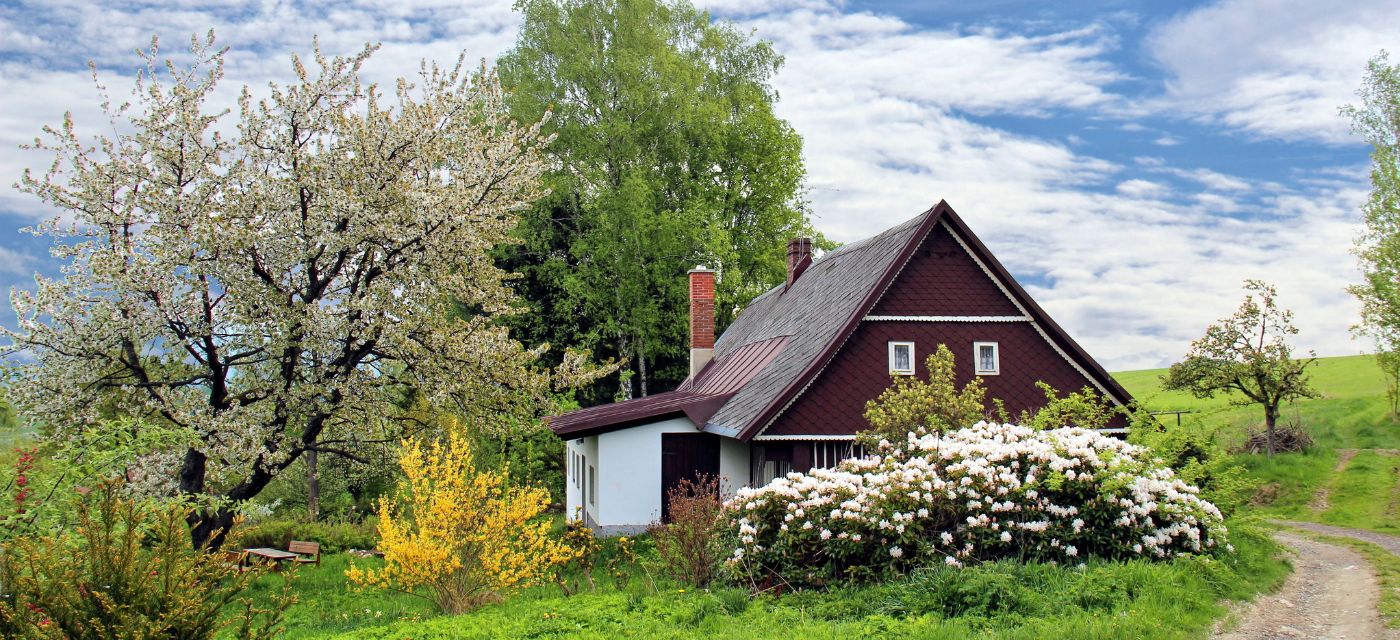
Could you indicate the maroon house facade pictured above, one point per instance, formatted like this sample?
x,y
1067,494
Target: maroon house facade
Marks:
x,y
784,388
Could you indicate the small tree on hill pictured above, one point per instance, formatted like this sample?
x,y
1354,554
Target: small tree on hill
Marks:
x,y
1247,353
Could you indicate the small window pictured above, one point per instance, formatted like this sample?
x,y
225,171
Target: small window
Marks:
x,y
902,358
592,486
987,359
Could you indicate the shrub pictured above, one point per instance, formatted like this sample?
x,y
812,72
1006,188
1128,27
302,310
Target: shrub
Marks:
x,y
1198,459
914,405
127,570
688,546
464,533
334,537
986,492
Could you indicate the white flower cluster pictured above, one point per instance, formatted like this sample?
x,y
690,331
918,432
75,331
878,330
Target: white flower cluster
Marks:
x,y
989,491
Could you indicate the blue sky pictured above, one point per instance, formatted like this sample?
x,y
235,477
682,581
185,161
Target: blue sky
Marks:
x,y
1131,162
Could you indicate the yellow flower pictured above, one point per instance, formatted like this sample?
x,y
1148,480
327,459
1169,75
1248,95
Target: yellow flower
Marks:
x,y
466,534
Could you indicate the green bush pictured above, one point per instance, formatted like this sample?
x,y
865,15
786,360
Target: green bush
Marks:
x,y
128,570
1199,459
334,537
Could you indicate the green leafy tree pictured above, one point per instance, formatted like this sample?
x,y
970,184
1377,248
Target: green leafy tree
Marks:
x,y
1247,353
1084,408
1377,119
914,405
667,154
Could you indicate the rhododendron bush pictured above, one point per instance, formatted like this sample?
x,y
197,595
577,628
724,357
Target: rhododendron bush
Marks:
x,y
985,492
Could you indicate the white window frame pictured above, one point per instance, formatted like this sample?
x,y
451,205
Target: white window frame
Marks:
x,y
977,359
592,485
894,344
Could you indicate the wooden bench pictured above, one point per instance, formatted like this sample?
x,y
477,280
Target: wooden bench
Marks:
x,y
237,561
307,552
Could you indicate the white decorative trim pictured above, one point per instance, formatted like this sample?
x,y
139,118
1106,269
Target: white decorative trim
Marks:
x,y
947,318
786,437
1036,325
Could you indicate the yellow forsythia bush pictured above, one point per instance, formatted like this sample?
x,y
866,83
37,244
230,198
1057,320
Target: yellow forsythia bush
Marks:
x,y
464,534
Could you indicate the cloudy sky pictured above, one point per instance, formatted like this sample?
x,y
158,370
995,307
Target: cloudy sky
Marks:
x,y
1131,162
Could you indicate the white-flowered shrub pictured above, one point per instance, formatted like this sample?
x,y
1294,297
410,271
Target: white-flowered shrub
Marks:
x,y
986,492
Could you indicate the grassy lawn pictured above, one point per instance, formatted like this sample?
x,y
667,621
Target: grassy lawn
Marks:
x,y
1176,599
1351,414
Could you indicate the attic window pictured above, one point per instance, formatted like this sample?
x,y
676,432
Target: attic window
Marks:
x,y
902,358
988,360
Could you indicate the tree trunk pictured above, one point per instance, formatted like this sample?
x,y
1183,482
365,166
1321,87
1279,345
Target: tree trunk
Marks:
x,y
642,371
1270,420
208,528
624,382
313,487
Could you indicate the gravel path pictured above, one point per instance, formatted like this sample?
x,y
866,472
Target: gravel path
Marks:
x,y
1331,594
1387,541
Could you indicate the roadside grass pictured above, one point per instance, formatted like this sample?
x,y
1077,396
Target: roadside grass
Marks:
x,y
1361,495
1176,599
1386,565
1351,413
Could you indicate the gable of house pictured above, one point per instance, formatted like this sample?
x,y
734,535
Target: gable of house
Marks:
x,y
928,280
943,295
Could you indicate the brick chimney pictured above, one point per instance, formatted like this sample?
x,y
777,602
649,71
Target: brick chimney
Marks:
x,y
799,258
702,317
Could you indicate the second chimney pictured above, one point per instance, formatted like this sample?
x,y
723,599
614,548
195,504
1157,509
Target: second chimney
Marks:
x,y
702,317
799,257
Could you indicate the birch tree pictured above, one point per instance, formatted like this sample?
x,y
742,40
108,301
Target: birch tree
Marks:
x,y
266,285
1377,119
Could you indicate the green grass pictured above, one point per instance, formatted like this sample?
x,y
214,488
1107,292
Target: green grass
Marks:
x,y
1352,413
327,605
1362,495
1178,599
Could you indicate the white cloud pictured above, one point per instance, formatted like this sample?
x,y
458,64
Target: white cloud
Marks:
x,y
1135,267
1137,188
1134,259
1275,69
16,263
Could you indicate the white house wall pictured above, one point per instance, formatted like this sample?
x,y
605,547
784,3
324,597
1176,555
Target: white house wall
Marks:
x,y
628,463
733,466
629,475
574,491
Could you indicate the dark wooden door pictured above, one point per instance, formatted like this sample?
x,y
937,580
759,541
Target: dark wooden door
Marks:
x,y
685,456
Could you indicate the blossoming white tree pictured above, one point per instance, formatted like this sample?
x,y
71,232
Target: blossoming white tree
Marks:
x,y
291,279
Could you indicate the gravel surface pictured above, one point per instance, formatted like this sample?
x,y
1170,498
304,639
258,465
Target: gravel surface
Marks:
x,y
1387,541
1331,594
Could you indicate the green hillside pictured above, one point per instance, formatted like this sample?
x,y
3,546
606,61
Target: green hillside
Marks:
x,y
1351,477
